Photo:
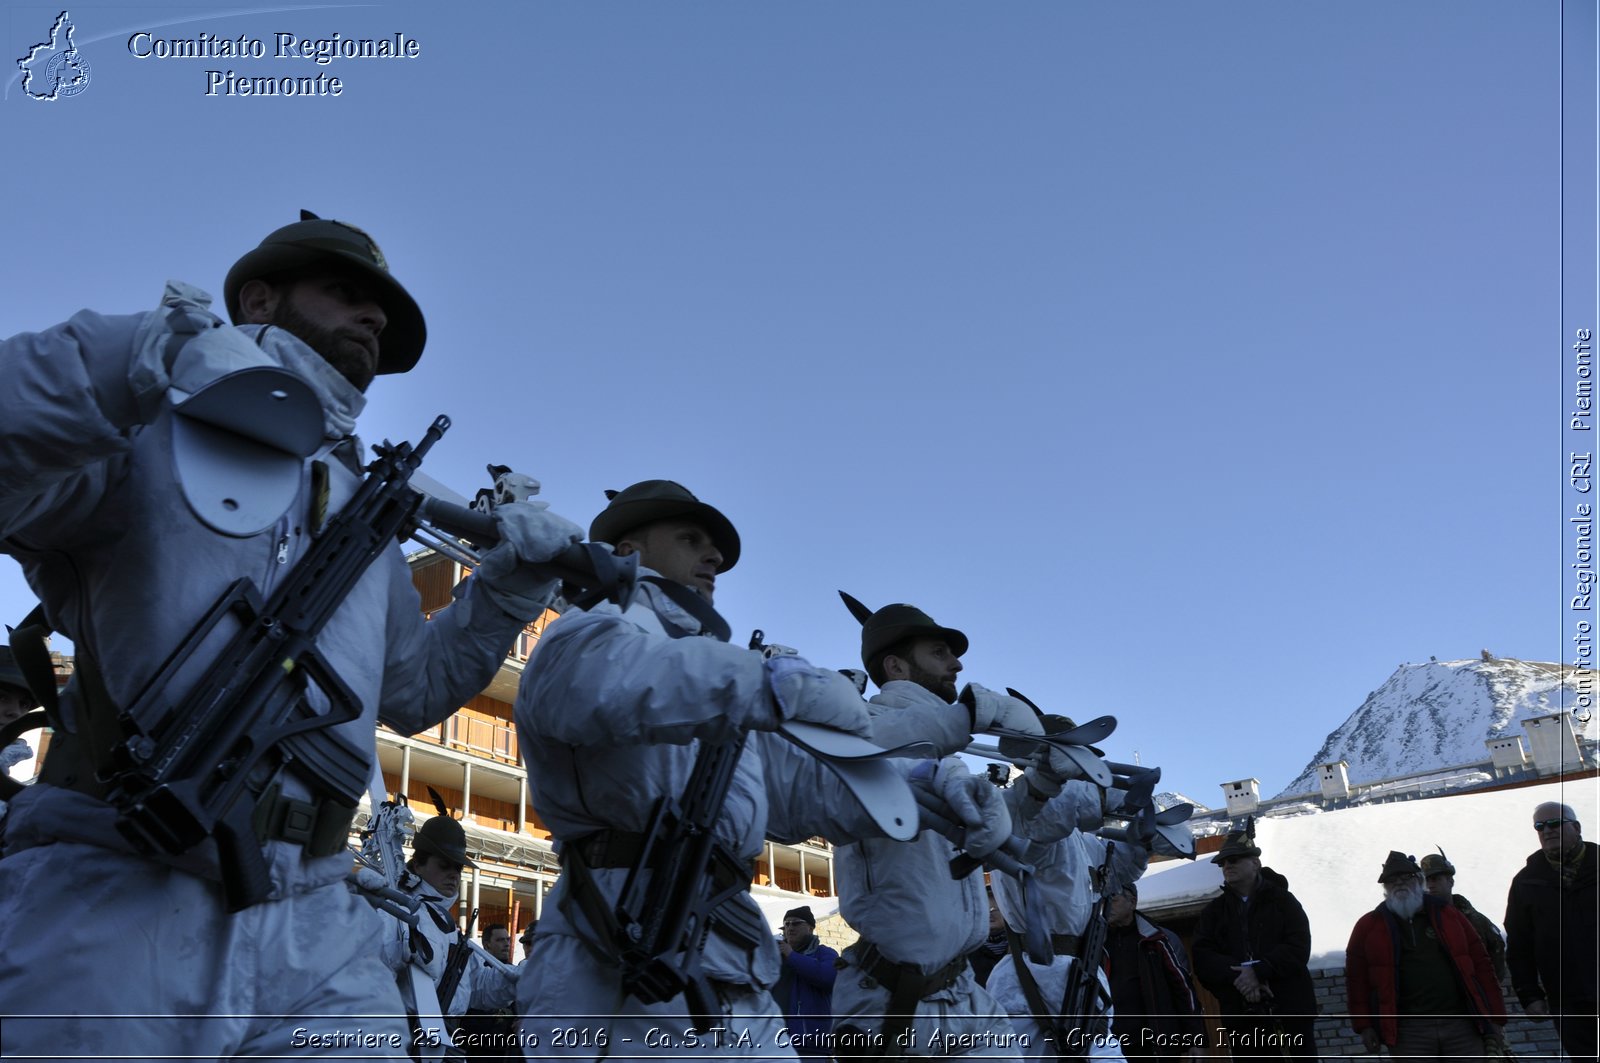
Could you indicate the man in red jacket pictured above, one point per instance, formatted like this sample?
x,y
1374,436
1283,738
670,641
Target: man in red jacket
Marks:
x,y
1417,976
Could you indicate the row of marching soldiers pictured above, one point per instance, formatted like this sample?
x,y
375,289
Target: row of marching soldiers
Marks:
x,y
647,730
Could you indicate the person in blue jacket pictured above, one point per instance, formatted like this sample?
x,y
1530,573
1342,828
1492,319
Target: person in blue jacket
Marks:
x,y
805,983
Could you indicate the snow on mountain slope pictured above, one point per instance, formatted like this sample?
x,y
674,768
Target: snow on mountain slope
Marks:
x,y
1439,714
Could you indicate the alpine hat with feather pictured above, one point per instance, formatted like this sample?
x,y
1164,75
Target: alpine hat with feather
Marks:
x,y
883,629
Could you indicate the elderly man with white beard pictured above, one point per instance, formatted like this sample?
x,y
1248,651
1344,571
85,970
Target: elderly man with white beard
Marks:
x,y
1417,976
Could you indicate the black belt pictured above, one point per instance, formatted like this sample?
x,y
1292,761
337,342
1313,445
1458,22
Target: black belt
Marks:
x,y
737,919
1065,944
622,848
907,985
897,976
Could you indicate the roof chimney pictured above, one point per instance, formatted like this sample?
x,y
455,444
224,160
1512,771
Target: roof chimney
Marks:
x,y
1242,796
1507,754
1335,780
1553,743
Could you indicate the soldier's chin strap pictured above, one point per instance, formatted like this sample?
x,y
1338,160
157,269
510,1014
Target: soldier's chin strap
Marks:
x,y
711,622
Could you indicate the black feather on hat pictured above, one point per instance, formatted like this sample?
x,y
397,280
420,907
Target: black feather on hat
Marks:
x,y
444,838
1437,864
884,628
1238,843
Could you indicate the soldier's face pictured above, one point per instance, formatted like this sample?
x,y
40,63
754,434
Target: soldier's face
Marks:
x,y
498,944
1441,885
680,550
336,314
441,874
930,664
14,704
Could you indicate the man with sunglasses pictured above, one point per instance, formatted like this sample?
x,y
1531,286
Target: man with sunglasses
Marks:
x,y
1551,937
1250,950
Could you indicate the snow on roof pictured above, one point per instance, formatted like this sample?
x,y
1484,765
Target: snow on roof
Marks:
x,y
1332,859
774,902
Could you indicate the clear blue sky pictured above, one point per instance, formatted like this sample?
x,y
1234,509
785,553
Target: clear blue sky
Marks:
x,y
1201,362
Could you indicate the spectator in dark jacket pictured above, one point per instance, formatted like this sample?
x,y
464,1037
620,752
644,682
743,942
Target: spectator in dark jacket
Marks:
x,y
805,983
1440,875
1157,1014
1551,937
1250,950
1417,977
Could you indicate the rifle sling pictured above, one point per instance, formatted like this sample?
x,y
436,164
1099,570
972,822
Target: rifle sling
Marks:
x,y
1049,1022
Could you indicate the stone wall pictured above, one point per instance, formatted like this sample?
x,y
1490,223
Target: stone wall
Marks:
x,y
1528,1039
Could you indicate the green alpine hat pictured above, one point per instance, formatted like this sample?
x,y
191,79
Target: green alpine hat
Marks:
x,y
1437,864
884,628
1238,843
314,241
651,500
445,838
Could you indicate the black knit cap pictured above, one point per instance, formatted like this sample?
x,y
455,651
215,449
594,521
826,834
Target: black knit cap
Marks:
x,y
314,241
649,501
802,912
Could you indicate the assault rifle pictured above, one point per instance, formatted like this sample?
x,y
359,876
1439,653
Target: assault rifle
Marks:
x,y
179,775
662,927
383,850
1081,1009
456,966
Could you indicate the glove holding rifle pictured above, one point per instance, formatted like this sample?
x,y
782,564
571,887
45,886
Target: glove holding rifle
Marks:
x,y
529,534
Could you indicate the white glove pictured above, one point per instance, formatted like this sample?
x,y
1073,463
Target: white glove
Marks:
x,y
999,710
369,879
1051,768
1041,780
14,754
816,695
976,805
529,534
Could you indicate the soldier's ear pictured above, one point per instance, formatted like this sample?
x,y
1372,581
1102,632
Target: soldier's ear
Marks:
x,y
258,301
